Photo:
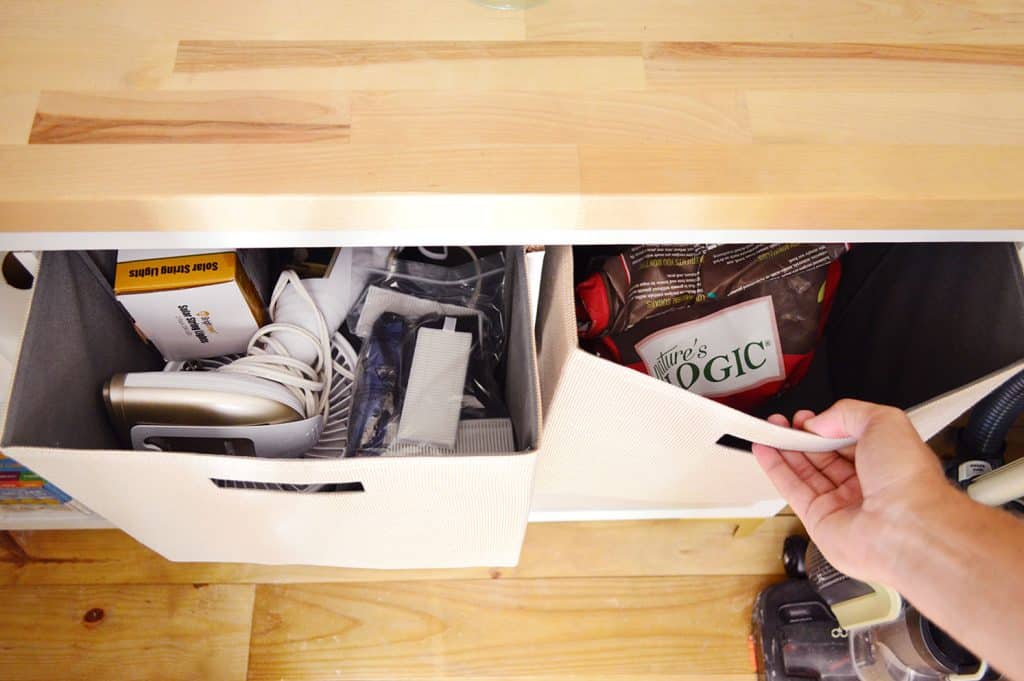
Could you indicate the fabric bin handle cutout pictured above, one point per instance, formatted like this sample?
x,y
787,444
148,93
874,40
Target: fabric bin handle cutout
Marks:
x,y
311,488
928,418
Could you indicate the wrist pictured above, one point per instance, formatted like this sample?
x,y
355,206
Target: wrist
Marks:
x,y
910,528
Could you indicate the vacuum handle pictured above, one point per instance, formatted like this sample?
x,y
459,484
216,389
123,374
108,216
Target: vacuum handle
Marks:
x,y
1000,486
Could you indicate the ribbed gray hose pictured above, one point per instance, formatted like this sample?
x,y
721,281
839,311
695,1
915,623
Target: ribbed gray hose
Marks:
x,y
991,419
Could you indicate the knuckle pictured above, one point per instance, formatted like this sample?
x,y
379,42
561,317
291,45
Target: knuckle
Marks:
x,y
847,403
871,410
890,413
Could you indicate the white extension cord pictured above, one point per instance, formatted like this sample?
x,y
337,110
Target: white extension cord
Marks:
x,y
268,358
310,376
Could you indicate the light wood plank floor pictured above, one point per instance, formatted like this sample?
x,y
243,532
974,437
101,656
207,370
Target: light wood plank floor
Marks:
x,y
647,600
639,600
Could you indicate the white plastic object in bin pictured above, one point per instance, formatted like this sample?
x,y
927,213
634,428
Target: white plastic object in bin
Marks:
x,y
475,436
275,440
14,304
433,400
380,300
333,296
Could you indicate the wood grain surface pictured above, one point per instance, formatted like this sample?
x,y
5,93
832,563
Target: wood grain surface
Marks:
x,y
879,21
982,118
138,633
16,112
638,628
919,101
644,600
832,67
189,117
446,193
438,65
589,601
461,117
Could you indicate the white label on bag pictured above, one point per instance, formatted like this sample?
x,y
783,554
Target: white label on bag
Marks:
x,y
724,353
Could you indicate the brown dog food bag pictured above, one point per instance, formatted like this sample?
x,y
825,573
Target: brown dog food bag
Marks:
x,y
737,323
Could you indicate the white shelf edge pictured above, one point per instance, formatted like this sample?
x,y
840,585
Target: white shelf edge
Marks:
x,y
51,519
764,509
72,520
14,241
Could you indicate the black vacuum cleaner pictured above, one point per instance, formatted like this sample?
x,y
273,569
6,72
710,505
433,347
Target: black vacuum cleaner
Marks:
x,y
796,636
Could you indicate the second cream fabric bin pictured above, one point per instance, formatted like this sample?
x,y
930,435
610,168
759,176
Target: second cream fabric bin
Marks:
x,y
411,512
936,326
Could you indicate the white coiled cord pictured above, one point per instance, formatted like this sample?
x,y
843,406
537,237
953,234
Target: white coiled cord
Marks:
x,y
267,357
441,255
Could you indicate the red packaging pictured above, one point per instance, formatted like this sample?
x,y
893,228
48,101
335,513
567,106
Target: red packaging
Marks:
x,y
736,323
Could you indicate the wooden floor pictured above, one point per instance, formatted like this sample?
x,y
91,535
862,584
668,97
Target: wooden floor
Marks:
x,y
639,600
666,599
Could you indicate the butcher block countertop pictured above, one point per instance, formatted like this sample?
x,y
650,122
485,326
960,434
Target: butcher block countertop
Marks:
x,y
581,120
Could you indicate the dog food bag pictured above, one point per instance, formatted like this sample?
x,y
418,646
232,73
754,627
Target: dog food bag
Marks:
x,y
737,323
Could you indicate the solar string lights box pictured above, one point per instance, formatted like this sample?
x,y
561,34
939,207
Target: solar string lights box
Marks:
x,y
190,304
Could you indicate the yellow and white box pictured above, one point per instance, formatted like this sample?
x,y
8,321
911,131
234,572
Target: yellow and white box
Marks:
x,y
189,304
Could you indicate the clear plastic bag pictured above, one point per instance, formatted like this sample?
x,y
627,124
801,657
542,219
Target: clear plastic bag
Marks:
x,y
387,278
403,298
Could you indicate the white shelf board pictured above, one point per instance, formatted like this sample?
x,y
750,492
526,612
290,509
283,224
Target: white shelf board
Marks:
x,y
51,519
36,240
547,512
54,519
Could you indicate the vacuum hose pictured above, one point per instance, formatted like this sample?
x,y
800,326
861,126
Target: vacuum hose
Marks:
x,y
984,436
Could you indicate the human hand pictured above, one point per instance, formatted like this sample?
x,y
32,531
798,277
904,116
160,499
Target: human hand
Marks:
x,y
851,501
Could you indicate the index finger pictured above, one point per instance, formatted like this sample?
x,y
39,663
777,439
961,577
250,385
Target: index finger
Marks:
x,y
796,491
845,418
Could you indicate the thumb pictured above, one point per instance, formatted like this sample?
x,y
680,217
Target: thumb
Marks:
x,y
845,418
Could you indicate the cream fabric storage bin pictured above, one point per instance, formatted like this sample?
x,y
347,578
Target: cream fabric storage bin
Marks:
x,y
13,308
619,443
413,512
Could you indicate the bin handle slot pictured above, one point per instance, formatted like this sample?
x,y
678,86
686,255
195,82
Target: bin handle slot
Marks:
x,y
301,488
734,442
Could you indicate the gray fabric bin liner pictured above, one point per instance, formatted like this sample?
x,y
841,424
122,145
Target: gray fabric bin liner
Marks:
x,y
77,337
